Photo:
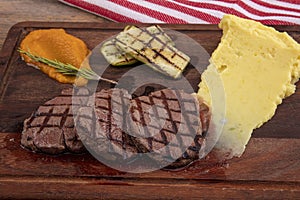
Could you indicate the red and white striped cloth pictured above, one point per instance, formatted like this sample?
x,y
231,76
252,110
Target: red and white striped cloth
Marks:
x,y
271,12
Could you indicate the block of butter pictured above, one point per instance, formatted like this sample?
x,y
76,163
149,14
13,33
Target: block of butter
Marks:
x,y
259,67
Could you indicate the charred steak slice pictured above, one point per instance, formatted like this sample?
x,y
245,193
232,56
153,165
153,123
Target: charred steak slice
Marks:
x,y
102,128
172,119
50,129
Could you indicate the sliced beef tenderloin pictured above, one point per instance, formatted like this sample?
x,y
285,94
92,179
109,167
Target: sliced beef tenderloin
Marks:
x,y
172,122
50,129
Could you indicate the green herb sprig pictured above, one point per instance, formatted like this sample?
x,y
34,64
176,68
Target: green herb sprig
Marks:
x,y
66,69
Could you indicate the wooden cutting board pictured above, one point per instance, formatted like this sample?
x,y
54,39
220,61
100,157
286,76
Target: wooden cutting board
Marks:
x,y
270,167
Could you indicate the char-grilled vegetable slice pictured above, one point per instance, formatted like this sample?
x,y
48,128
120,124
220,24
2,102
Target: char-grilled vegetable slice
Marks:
x,y
149,47
116,56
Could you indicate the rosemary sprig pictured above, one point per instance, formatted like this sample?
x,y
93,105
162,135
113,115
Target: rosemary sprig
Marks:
x,y
66,69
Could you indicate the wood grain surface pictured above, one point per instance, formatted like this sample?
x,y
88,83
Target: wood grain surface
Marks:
x,y
263,171
268,169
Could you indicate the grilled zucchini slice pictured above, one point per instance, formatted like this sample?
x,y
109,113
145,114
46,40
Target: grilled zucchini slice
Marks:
x,y
149,48
114,55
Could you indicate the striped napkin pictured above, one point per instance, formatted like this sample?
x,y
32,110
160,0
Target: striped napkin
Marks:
x,y
275,12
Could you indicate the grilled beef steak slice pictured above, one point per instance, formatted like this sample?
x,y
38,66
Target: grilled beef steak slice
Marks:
x,y
172,119
103,128
51,130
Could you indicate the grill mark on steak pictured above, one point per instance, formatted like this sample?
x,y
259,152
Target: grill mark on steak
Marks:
x,y
163,135
64,117
174,127
178,94
46,120
109,115
125,137
139,108
131,140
